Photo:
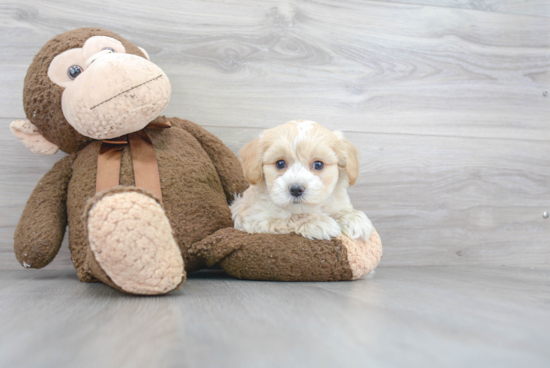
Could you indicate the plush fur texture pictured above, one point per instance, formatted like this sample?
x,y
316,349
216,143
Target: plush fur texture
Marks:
x,y
42,97
131,238
91,114
363,256
194,199
299,173
31,138
199,176
289,257
40,230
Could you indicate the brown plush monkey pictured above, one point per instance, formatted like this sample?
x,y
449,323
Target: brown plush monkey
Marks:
x,y
145,197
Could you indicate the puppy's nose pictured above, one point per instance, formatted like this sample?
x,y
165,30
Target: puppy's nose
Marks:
x,y
297,190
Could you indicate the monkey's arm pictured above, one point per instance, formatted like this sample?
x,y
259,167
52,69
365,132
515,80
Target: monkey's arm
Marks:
x,y
290,257
41,228
226,163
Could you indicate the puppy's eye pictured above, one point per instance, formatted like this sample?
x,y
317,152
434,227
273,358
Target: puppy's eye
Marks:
x,y
109,48
74,71
281,164
318,165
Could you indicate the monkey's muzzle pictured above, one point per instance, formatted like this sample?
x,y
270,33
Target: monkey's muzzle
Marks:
x,y
118,94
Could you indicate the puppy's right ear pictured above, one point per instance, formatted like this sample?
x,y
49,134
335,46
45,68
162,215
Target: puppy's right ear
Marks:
x,y
252,162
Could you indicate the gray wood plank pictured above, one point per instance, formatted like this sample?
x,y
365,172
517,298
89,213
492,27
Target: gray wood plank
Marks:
x,y
363,65
434,200
399,317
539,8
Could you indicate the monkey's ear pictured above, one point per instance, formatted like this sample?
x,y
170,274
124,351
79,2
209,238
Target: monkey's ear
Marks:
x,y
144,53
31,138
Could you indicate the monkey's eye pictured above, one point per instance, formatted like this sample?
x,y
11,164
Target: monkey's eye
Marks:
x,y
74,71
109,48
281,164
318,165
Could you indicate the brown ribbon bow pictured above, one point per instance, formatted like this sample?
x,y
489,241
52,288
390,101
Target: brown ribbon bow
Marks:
x,y
144,160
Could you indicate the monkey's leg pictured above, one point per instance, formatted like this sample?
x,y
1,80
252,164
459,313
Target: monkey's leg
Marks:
x,y
290,257
131,246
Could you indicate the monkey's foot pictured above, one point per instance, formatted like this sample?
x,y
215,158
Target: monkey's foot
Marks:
x,y
131,243
363,255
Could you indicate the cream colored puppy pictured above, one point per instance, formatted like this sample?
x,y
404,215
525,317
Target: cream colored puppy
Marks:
x,y
299,172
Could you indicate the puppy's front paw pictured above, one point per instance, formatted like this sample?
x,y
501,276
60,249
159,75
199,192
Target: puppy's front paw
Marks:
x,y
318,227
355,224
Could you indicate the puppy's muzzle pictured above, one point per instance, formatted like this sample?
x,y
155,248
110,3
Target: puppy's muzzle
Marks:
x,y
297,190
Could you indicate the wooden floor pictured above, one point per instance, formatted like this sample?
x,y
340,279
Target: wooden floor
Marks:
x,y
399,317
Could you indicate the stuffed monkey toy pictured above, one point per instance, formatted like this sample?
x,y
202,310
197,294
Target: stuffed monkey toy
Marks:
x,y
145,197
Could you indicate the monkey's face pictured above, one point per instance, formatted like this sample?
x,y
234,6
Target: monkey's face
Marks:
x,y
107,92
86,84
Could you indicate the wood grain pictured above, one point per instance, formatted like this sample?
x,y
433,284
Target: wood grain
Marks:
x,y
368,66
400,317
539,8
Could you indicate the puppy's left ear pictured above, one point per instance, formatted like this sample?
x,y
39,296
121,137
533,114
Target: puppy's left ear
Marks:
x,y
252,162
349,158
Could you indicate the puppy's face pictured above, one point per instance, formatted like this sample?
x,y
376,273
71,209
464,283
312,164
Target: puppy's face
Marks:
x,y
301,163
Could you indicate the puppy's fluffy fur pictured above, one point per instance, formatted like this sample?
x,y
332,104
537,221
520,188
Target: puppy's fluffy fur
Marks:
x,y
299,172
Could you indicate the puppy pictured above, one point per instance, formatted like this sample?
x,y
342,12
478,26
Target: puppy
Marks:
x,y
299,172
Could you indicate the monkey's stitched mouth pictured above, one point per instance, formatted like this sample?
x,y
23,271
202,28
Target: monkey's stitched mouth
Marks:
x,y
125,91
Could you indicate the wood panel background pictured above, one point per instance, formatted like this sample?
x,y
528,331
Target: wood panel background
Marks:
x,y
447,101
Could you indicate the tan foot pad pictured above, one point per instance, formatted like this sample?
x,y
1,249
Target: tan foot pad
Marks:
x,y
131,240
363,256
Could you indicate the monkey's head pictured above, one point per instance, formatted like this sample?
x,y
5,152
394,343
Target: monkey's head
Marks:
x,y
88,84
